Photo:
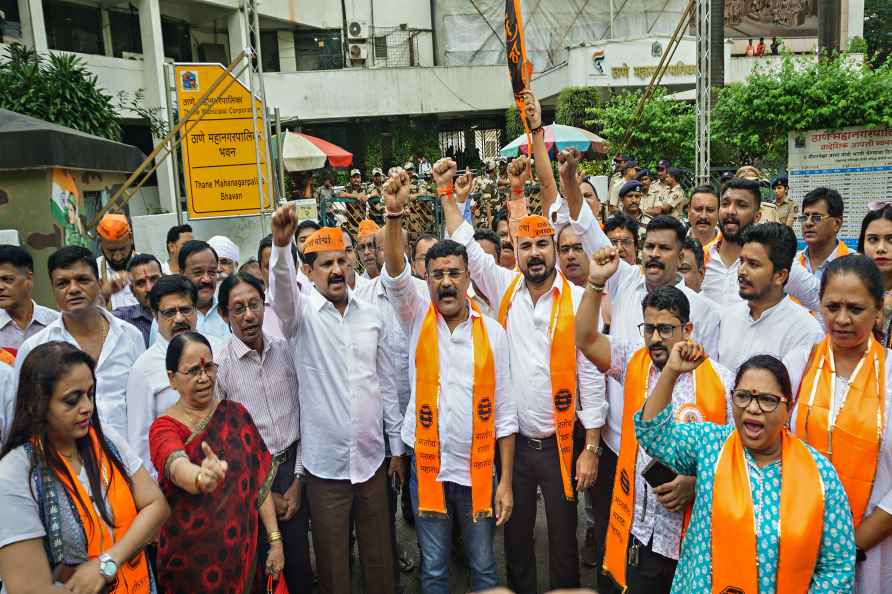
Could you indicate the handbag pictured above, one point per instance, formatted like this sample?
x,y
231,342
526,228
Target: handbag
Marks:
x,y
278,587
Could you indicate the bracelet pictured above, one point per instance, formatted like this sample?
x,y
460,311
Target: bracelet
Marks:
x,y
537,129
595,287
447,191
273,537
394,215
198,481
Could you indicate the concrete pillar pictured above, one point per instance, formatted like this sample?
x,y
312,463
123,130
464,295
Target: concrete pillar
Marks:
x,y
33,24
238,38
153,83
855,20
287,55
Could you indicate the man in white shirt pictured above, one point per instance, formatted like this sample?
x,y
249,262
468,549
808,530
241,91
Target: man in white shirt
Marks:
x,y
116,245
114,344
531,304
20,317
454,460
176,237
149,393
767,321
821,220
738,210
340,357
369,248
703,214
643,542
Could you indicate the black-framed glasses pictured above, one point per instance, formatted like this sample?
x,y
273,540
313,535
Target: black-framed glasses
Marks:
x,y
194,372
665,330
766,402
240,309
171,313
814,217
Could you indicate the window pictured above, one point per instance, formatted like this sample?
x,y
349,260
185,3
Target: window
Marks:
x,y
177,39
125,32
381,47
10,23
269,51
319,50
73,27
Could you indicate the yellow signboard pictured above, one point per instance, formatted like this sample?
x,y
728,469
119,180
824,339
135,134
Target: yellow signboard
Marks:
x,y
219,153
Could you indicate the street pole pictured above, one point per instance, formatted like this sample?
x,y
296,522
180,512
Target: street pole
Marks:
x,y
168,91
704,88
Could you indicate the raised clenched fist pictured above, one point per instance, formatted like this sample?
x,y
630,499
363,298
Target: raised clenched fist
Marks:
x,y
604,264
463,185
519,171
284,224
443,172
396,191
532,109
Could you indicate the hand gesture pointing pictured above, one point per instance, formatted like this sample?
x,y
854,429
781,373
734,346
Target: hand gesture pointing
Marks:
x,y
213,470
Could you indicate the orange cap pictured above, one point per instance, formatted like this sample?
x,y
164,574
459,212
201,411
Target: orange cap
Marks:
x,y
367,227
534,226
113,227
326,239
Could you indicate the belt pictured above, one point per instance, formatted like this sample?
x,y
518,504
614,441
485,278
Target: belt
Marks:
x,y
538,444
286,454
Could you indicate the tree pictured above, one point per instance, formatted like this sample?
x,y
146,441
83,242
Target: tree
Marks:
x,y
57,88
878,29
513,125
751,120
573,103
665,129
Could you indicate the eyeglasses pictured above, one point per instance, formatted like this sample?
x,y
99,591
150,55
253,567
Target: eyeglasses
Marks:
x,y
200,272
767,402
171,313
453,274
665,330
622,241
814,218
209,369
576,247
239,310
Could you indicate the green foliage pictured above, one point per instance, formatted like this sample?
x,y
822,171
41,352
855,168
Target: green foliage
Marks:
x,y
750,120
878,29
573,103
409,138
57,88
152,115
513,125
665,129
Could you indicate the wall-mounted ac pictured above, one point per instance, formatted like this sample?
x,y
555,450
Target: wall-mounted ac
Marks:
x,y
358,52
357,30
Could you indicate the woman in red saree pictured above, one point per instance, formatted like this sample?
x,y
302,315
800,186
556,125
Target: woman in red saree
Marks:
x,y
216,472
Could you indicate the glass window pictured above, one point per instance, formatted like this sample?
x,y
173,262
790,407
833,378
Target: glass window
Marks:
x,y
177,39
381,47
10,23
125,32
73,27
319,50
269,51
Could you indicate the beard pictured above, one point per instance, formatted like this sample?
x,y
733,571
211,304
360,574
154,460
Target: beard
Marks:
x,y
735,237
537,278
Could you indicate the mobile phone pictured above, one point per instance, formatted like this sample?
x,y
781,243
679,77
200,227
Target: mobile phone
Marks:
x,y
657,473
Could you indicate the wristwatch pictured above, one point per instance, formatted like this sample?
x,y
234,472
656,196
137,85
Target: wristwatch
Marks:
x,y
595,449
108,567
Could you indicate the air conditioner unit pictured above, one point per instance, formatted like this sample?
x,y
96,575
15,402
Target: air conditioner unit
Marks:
x,y
358,52
132,56
358,30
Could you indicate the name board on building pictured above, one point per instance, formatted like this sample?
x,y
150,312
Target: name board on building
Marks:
x,y
634,62
856,162
219,150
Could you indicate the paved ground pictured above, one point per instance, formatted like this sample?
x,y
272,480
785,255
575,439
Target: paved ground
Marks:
x,y
458,574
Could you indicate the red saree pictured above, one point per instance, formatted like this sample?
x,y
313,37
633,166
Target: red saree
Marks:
x,y
209,544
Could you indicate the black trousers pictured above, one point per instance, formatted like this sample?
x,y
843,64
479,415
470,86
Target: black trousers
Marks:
x,y
653,574
602,493
298,571
536,465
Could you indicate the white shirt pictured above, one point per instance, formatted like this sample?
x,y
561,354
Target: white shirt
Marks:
x,y
122,347
149,394
804,257
651,519
721,286
340,361
395,335
123,297
529,345
779,330
7,394
165,268
874,574
455,401
12,337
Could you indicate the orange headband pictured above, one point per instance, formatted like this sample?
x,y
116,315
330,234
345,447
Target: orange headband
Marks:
x,y
326,239
534,226
367,227
113,227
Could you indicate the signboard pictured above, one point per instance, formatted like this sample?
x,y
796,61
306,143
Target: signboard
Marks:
x,y
219,153
633,63
856,162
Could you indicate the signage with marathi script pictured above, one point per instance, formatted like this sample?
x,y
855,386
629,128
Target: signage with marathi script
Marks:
x,y
219,153
633,63
856,162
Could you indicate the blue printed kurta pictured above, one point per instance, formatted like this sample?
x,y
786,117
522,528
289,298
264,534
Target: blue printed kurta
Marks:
x,y
693,449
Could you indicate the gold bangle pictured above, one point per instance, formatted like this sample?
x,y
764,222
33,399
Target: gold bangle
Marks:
x,y
596,288
274,536
198,481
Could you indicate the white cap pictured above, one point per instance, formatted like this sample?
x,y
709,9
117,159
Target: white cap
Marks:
x,y
224,247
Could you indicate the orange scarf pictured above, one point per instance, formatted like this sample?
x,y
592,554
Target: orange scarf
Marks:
x,y
852,442
431,500
841,250
563,370
715,241
133,575
709,405
734,553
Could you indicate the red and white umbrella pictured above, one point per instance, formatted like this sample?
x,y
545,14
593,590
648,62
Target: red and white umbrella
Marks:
x,y
303,152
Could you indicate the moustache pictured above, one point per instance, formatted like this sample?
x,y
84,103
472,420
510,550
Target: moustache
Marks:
x,y
732,220
655,262
337,278
657,348
535,261
444,292
702,221
178,327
